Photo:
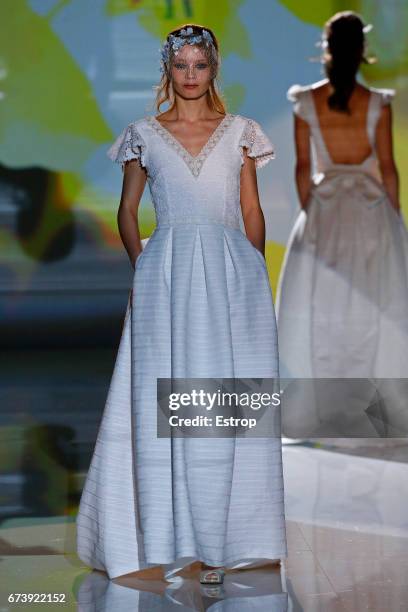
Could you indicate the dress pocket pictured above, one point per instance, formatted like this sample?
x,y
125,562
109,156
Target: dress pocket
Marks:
x,y
145,243
139,257
258,253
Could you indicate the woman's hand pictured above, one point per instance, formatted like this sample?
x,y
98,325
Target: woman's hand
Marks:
x,y
137,257
306,203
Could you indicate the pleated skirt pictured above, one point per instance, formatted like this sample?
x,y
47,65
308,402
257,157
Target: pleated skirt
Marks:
x,y
201,306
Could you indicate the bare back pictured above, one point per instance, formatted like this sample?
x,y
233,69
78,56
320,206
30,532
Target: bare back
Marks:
x,y
339,129
361,140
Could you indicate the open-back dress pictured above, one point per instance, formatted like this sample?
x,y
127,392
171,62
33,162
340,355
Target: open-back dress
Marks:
x,y
342,296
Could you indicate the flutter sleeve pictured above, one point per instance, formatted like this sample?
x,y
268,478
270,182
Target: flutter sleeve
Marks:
x,y
296,95
128,145
257,143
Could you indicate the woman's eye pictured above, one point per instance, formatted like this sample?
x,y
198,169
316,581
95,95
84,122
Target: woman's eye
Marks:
x,y
200,66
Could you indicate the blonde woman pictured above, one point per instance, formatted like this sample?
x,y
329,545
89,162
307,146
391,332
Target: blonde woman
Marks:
x,y
201,306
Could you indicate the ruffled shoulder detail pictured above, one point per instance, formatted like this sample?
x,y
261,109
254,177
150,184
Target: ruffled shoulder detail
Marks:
x,y
257,143
297,94
386,95
128,145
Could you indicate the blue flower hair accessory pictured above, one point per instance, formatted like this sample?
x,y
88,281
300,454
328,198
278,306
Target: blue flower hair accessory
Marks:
x,y
172,46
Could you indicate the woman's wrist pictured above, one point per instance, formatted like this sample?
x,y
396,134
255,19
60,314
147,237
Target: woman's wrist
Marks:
x,y
305,202
304,195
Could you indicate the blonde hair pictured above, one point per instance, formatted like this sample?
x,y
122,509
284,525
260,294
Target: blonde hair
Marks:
x,y
164,91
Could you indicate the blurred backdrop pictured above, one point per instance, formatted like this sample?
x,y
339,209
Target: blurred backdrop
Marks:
x,y
73,74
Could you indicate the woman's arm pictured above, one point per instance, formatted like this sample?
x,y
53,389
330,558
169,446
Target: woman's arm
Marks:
x,y
384,148
303,162
134,181
252,213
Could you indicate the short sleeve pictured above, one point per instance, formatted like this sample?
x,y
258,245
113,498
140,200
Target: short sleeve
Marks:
x,y
128,145
257,143
296,95
387,96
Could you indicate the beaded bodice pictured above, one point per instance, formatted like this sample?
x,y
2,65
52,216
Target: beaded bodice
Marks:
x,y
194,162
189,188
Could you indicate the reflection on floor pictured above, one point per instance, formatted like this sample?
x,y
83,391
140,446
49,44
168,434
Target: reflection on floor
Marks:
x,y
347,527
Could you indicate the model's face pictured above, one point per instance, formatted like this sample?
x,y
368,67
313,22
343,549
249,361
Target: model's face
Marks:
x,y
191,72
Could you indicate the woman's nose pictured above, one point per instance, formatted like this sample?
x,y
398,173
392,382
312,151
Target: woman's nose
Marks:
x,y
191,71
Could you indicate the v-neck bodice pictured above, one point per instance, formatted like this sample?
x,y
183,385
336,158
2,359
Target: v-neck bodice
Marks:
x,y
194,161
186,188
304,106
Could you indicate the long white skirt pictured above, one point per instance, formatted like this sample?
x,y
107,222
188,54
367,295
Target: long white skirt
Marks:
x,y
342,299
202,307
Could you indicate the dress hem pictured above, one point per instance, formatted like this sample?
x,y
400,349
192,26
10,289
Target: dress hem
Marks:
x,y
259,559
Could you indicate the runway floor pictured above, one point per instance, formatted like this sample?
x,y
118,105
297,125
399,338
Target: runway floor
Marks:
x,y
347,527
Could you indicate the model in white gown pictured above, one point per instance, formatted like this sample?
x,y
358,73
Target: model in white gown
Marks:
x,y
342,298
201,307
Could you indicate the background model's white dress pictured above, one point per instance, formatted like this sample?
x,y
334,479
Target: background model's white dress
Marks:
x,y
342,298
202,307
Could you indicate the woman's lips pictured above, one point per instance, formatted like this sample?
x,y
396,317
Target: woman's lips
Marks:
x,y
190,86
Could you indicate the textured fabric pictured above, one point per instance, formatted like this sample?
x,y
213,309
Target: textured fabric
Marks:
x,y
256,143
342,298
201,307
129,145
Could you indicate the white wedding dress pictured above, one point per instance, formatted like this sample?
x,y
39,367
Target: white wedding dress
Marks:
x,y
342,297
202,307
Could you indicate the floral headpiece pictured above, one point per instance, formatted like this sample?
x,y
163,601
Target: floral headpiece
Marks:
x,y
186,36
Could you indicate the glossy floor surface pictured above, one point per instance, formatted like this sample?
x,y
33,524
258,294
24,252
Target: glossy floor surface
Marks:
x,y
347,525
